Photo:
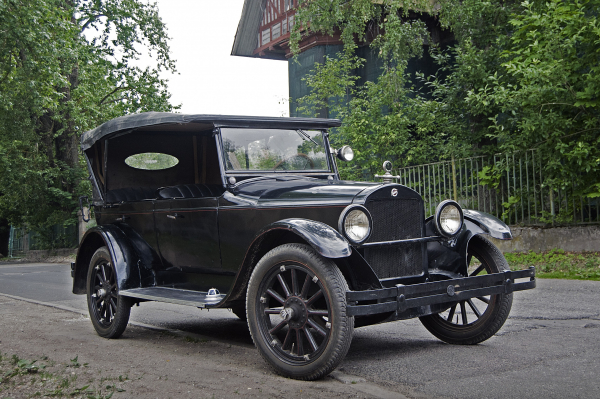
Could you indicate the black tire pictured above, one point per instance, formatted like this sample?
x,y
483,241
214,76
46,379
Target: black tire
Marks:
x,y
240,312
474,325
109,311
313,335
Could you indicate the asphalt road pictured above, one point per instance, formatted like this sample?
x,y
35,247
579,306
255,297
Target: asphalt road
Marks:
x,y
548,347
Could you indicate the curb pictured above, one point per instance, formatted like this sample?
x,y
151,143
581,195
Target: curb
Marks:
x,y
179,333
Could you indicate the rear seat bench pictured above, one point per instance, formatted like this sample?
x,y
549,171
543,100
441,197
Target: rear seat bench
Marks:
x,y
134,194
192,191
130,194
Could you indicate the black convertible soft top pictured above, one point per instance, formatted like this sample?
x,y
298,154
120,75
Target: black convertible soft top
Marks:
x,y
146,119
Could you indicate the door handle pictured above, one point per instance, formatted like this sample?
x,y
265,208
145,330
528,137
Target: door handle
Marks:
x,y
122,218
175,216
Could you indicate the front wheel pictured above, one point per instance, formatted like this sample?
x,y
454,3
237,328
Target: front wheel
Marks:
x,y
477,319
296,305
109,311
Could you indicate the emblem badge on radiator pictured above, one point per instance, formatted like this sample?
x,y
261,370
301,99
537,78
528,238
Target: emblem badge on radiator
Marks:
x,y
394,192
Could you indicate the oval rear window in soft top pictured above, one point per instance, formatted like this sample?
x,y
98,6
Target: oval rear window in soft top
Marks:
x,y
151,161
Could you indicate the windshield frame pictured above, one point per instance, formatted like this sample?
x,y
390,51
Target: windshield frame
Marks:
x,y
323,173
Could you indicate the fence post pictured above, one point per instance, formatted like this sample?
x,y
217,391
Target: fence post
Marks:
x,y
552,204
454,179
10,241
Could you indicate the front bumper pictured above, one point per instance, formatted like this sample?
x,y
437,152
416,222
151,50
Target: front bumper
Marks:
x,y
402,297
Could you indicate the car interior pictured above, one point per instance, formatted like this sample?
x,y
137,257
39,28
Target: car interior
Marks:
x,y
151,164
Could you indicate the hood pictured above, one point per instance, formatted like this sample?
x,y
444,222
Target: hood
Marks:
x,y
297,189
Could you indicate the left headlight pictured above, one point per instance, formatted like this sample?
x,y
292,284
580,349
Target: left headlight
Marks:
x,y
448,218
345,153
355,224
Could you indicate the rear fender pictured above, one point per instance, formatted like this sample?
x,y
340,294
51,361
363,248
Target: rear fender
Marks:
x,y
122,253
451,256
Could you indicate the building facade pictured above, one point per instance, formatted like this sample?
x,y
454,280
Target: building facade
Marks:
x,y
264,32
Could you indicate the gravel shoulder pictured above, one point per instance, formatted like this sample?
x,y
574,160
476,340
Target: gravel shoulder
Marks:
x,y
144,363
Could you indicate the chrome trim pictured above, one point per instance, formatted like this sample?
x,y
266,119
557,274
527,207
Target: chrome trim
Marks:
x,y
407,241
438,212
342,219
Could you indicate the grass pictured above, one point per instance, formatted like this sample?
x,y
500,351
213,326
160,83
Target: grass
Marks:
x,y
558,264
195,340
25,378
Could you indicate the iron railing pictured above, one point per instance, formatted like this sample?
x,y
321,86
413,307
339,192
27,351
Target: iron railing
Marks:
x,y
58,236
16,242
512,187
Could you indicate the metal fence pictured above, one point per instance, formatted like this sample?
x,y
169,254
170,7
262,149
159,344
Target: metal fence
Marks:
x,y
20,240
511,187
16,242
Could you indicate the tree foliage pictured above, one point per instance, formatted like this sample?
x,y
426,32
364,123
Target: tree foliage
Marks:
x,y
548,93
67,66
516,76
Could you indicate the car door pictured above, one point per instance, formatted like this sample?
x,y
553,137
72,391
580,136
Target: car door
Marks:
x,y
188,240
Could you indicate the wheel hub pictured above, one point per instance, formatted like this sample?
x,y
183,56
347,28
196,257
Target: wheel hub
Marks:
x,y
287,314
102,292
294,312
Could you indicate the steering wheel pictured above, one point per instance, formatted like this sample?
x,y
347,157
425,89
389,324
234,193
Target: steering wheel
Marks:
x,y
310,161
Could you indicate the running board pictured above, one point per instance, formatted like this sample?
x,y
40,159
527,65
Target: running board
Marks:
x,y
198,299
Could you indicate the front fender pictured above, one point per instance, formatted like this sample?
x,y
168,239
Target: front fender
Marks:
x,y
122,254
323,238
451,256
484,223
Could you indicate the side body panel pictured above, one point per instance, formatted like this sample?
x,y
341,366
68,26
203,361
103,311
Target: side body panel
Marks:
x,y
252,220
240,220
188,239
251,206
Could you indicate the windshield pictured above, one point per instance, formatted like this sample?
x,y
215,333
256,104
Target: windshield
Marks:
x,y
274,150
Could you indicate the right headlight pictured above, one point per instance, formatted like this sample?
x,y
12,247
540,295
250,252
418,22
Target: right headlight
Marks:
x,y
448,218
355,224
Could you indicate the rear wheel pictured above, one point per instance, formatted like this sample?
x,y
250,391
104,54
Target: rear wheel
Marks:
x,y
477,319
296,305
109,311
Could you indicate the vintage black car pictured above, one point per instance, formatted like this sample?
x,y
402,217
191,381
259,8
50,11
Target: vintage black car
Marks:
x,y
249,213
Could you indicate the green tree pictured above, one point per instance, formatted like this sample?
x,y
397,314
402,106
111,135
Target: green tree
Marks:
x,y
548,94
517,76
65,67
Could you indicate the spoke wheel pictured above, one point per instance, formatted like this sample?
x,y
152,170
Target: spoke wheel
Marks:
x,y
109,312
477,319
297,312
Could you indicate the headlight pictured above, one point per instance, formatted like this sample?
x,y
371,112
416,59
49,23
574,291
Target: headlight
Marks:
x,y
448,218
355,223
345,153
